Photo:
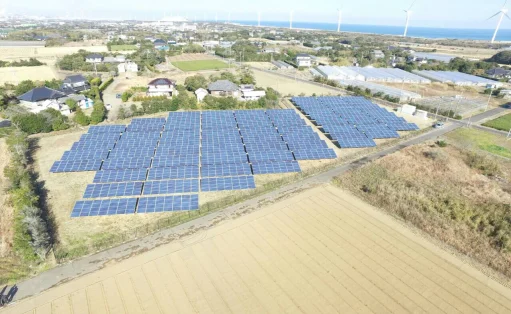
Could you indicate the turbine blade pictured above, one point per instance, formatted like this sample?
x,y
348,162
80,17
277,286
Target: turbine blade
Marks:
x,y
494,15
507,16
414,3
505,3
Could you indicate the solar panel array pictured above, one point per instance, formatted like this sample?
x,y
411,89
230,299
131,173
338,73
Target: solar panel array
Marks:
x,y
159,165
351,122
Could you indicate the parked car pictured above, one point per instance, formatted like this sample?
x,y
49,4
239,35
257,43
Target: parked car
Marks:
x,y
118,96
438,125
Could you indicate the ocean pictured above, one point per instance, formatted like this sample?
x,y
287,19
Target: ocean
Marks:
x,y
422,32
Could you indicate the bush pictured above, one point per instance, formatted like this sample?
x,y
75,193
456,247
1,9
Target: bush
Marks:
x,y
81,118
485,164
126,96
106,84
32,123
441,143
148,98
99,113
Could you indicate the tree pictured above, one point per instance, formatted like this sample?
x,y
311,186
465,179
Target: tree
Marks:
x,y
125,96
123,113
71,103
229,76
23,87
32,123
95,81
98,113
53,84
503,57
193,83
81,118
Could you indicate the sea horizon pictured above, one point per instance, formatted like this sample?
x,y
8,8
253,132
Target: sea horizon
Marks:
x,y
504,35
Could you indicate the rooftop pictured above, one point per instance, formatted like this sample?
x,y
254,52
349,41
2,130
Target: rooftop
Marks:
x,y
161,81
41,93
223,85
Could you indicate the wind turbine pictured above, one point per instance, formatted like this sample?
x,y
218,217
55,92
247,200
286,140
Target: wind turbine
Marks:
x,y
408,13
291,19
502,12
339,20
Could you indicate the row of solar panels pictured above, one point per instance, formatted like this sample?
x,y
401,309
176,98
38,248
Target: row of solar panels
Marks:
x,y
178,186
352,122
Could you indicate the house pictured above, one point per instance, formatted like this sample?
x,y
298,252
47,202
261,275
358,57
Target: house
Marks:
x,y
94,58
74,84
248,92
82,101
116,59
303,60
42,98
224,88
498,73
161,87
271,50
127,67
377,54
201,93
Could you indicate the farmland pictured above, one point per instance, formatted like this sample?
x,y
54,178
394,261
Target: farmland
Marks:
x,y
501,123
123,48
15,75
199,65
320,251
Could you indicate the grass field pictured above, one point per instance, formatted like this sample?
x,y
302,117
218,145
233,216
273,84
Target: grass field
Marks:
x,y
123,47
320,251
501,123
199,65
451,193
475,139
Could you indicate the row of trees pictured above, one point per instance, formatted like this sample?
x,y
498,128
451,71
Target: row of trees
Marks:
x,y
32,62
76,62
32,236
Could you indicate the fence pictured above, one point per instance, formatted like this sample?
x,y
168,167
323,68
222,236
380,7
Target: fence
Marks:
x,y
64,254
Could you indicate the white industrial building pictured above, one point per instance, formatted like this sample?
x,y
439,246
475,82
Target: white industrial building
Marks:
x,y
457,78
390,75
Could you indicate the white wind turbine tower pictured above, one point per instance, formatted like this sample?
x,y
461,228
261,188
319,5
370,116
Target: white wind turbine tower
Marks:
x,y
408,13
291,19
502,12
339,20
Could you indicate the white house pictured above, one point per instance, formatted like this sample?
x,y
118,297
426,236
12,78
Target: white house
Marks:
x,y
378,54
303,60
224,88
42,98
162,87
127,67
75,83
94,58
249,93
201,93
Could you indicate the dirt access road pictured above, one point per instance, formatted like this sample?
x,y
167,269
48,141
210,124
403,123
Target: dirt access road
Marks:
x,y
320,251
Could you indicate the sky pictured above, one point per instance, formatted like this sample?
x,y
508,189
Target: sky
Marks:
x,y
426,13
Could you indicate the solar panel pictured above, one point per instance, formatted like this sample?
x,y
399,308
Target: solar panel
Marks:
x,y
178,172
178,160
270,155
308,154
126,163
227,183
123,152
76,165
104,207
225,170
223,157
84,154
107,176
171,186
106,129
275,167
168,203
380,131
113,189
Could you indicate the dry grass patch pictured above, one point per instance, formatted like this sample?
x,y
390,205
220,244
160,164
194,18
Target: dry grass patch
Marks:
x,y
455,195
